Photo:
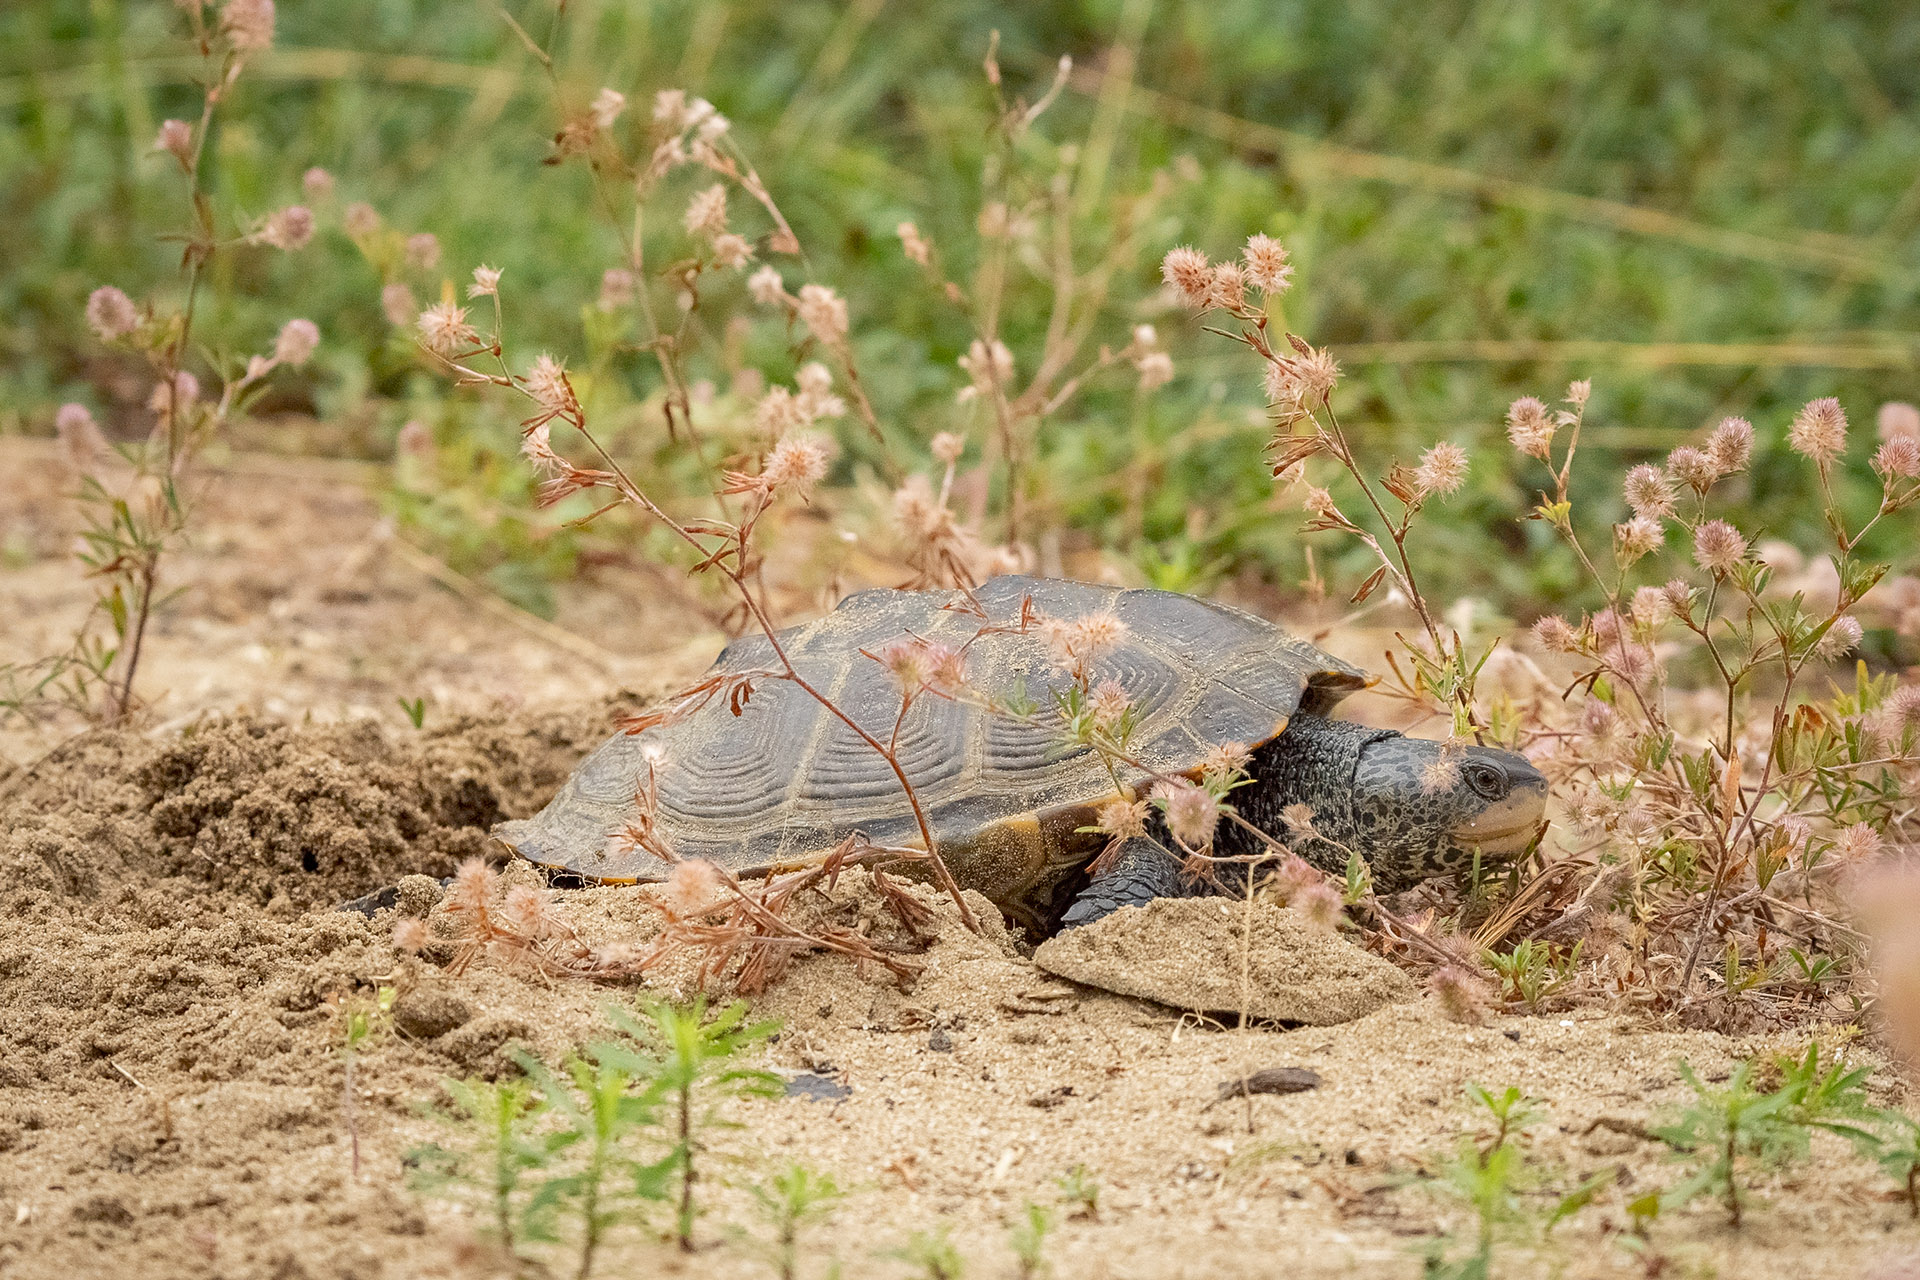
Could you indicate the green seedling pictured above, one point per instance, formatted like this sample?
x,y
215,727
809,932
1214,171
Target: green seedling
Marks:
x,y
689,1059
500,1153
1532,971
416,709
598,1114
792,1198
364,1023
931,1254
1028,1238
1081,1190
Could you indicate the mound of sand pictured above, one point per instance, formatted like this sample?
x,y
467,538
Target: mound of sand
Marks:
x,y
1205,955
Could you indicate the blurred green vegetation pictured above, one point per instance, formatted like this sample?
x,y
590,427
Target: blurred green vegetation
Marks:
x,y
1717,205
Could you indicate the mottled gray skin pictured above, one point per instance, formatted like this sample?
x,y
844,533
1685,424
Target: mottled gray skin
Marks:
x,y
1371,790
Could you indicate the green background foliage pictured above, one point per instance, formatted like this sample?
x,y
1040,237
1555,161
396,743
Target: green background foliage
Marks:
x,y
1455,176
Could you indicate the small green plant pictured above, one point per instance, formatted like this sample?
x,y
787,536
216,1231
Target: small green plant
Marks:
x,y
1028,1238
502,1146
416,709
694,1055
1081,1190
598,1113
789,1200
1729,1132
363,1024
1896,1149
1533,970
931,1254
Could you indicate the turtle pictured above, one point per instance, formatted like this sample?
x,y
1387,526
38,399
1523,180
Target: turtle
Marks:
x,y
775,781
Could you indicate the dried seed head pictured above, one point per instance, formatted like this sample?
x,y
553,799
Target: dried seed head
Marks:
x,y
1186,270
1293,875
423,250
180,393
1650,606
1898,458
917,664
1191,814
296,343
361,220
1156,370
1442,469
1555,634
81,442
1462,997
796,464
1440,773
1530,428
948,446
989,369
176,139
1579,392
1843,637
1299,818
1637,538
1122,819
1108,704
1319,372
1228,290
824,312
670,109
691,888
486,283
398,304
1649,492
1731,445
288,229
525,911
318,184
1856,843
444,328
410,935
1718,546
247,25
766,288
778,412
918,513
1320,904
1225,761
731,252
1819,430
607,106
918,251
707,211
110,313
547,383
1897,418
1693,468
1093,636
472,891
536,446
1267,268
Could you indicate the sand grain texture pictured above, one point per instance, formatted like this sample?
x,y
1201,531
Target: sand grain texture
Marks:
x,y
1187,953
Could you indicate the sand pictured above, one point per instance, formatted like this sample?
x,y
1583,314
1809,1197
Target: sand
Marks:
x,y
171,1094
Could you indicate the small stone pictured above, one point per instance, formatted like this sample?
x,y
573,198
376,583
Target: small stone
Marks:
x,y
817,1088
1270,1080
940,1041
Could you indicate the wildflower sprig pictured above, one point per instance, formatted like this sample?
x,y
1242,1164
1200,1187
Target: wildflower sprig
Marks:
x,y
1300,380
132,521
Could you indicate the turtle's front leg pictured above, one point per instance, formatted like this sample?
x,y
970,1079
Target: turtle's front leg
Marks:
x,y
1143,871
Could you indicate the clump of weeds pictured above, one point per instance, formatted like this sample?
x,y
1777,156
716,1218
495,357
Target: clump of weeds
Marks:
x,y
566,1157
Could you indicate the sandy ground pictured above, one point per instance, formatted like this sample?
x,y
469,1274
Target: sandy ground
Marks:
x,y
172,971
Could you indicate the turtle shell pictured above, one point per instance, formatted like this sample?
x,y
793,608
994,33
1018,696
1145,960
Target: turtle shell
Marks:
x,y
779,781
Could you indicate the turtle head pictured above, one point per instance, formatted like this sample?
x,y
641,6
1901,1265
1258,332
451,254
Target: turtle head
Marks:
x,y
1422,809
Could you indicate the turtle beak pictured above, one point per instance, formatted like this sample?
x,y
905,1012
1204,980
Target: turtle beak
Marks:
x,y
1507,826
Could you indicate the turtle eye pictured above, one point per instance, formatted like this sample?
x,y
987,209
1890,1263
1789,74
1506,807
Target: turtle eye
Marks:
x,y
1486,780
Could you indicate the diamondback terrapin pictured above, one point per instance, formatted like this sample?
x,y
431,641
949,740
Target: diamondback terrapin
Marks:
x,y
778,781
